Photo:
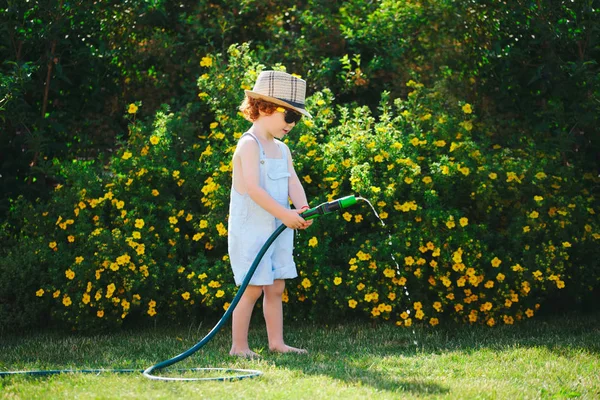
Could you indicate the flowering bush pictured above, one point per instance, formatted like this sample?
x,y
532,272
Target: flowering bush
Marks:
x,y
473,231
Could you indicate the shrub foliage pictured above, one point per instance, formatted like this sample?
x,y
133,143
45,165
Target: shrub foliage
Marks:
x,y
474,231
472,128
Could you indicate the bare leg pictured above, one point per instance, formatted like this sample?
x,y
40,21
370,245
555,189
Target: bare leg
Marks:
x,y
241,322
273,311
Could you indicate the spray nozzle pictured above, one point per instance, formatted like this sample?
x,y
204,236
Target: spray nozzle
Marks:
x,y
329,207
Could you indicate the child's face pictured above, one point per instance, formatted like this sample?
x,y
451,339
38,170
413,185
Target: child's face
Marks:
x,y
276,123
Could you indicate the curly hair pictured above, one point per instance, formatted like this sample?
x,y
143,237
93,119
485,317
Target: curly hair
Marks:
x,y
252,107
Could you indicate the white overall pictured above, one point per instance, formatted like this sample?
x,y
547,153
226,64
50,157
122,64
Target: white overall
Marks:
x,y
250,226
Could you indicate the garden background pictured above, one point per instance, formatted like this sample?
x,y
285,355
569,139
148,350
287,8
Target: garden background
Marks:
x,y
472,127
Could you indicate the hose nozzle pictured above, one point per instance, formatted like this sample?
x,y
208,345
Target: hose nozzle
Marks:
x,y
327,208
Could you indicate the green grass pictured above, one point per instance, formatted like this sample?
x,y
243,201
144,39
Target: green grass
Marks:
x,y
542,358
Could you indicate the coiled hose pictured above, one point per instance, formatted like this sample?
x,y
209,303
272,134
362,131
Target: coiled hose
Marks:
x,y
148,372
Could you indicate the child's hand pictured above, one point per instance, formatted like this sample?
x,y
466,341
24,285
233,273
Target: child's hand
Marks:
x,y
306,223
293,220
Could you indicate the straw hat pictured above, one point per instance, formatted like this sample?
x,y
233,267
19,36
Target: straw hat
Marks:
x,y
282,89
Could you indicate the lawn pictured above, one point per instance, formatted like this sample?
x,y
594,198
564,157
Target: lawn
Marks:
x,y
556,357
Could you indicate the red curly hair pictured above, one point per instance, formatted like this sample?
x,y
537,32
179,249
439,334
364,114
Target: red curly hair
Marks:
x,y
252,107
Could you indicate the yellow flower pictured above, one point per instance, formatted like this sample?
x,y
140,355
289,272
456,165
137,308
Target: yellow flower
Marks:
x,y
306,283
67,301
566,244
337,280
467,109
313,242
534,214
464,221
450,224
220,293
186,295
347,216
360,286
127,155
307,179
151,312
155,192
139,223
154,139
408,180
85,298
39,293
52,245
496,262
434,321
468,125
427,179
352,303
221,229
206,61
529,312
132,109
70,274
100,313
493,175
198,236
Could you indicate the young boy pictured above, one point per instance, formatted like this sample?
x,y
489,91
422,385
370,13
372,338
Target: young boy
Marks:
x,y
263,182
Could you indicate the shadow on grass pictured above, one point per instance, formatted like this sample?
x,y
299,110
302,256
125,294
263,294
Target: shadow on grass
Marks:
x,y
375,356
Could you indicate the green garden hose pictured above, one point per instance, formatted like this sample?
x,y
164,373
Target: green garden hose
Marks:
x,y
312,213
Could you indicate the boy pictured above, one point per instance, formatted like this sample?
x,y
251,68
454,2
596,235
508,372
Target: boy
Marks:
x,y
263,182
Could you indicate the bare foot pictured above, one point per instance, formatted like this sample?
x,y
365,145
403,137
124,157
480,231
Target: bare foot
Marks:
x,y
287,349
246,353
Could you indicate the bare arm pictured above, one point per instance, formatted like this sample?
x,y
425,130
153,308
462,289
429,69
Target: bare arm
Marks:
x,y
295,188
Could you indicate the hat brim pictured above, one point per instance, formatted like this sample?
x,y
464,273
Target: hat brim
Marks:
x,y
277,101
